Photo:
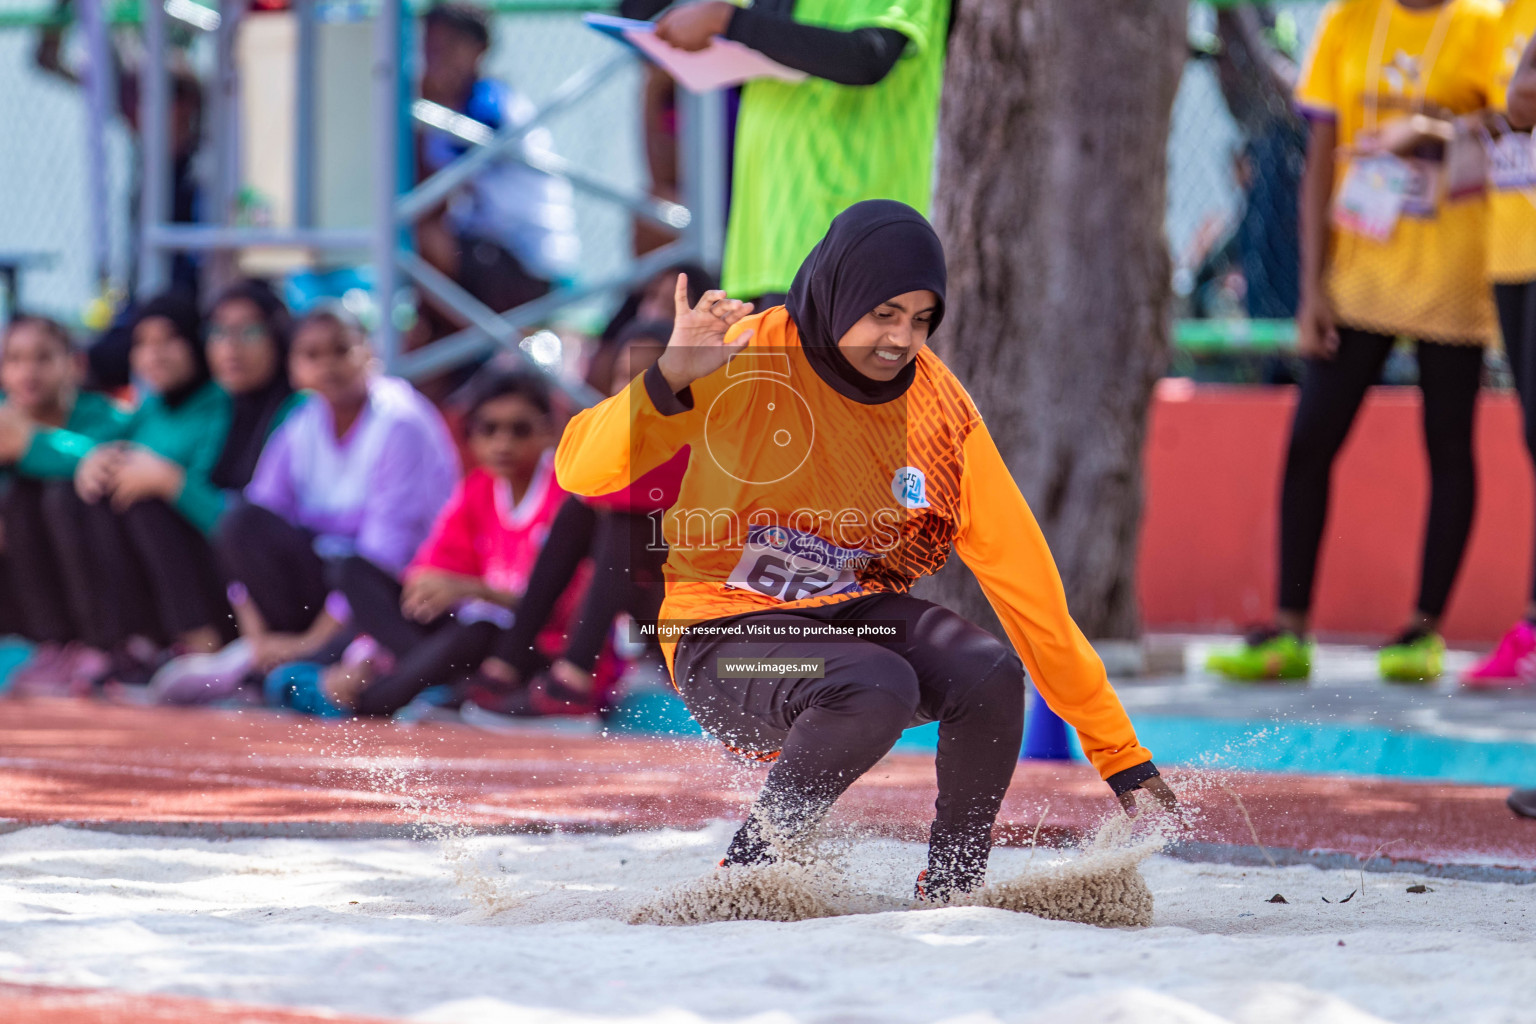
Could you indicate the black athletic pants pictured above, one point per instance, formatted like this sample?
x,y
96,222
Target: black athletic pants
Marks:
x,y
1517,319
626,576
276,563
37,603
442,651
1331,393
832,729
144,572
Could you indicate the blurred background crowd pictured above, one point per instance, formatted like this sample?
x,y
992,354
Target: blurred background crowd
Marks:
x,y
249,460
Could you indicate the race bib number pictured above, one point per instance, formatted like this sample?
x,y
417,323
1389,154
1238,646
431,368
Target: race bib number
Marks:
x,y
788,565
1512,162
1422,199
1372,197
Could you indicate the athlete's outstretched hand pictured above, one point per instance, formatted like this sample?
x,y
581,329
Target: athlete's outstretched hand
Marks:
x,y
698,347
1158,788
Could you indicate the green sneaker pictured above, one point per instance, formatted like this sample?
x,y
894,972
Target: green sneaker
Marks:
x,y
1417,656
1265,654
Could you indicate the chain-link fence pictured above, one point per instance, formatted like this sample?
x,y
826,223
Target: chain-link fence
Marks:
x,y
46,245
46,223
1235,159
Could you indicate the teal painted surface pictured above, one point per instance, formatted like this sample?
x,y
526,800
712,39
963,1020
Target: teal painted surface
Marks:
x,y
1326,749
1313,749
14,653
1292,747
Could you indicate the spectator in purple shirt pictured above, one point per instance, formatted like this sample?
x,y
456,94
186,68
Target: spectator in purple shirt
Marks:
x,y
360,468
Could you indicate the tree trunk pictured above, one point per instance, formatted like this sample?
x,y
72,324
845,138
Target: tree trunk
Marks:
x,y
1050,199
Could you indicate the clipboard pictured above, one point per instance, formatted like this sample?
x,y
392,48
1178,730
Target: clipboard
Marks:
x,y
722,64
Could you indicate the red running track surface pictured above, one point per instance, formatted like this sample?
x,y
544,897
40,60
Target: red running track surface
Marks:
x,y
259,772
42,1004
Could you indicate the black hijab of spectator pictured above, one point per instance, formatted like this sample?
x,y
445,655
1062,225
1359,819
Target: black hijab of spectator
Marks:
x,y
873,252
254,412
181,311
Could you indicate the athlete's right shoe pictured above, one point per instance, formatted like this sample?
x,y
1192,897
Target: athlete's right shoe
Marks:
x,y
1523,802
1512,663
1266,654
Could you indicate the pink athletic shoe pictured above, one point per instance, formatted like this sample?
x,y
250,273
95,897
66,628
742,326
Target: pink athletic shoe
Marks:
x,y
1512,663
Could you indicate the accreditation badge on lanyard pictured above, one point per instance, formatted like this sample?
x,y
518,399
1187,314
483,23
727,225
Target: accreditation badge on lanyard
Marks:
x,y
1512,162
1372,197
1423,197
1380,190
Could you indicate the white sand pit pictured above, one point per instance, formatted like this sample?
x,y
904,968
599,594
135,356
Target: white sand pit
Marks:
x,y
534,928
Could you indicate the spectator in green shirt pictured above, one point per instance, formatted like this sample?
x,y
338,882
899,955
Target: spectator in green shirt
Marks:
x,y
151,576
862,126
40,372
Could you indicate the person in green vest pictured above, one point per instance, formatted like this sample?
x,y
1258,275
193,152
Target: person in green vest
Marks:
x,y
40,373
862,125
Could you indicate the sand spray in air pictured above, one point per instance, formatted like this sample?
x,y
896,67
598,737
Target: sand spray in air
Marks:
x,y
417,786
1097,881
1103,885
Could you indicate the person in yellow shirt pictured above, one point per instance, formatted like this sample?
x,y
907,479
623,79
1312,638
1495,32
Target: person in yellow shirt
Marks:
x,y
1521,101
1512,269
1392,247
836,460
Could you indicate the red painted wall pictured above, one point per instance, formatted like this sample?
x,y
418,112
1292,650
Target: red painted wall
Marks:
x,y
1209,534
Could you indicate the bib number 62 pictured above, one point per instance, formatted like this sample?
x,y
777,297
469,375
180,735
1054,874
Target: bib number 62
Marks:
x,y
778,578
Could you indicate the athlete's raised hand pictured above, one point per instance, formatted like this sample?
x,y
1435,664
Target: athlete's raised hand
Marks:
x,y
698,347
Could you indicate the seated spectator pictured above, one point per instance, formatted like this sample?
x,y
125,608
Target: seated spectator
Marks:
x,y
136,560
468,579
248,341
40,372
508,235
247,353
360,468
621,534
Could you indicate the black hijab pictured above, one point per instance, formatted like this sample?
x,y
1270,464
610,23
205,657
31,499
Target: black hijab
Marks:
x,y
253,412
874,251
181,311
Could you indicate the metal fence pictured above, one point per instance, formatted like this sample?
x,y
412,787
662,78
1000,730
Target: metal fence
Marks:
x,y
1222,163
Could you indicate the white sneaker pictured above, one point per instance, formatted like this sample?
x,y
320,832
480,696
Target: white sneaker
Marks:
x,y
202,678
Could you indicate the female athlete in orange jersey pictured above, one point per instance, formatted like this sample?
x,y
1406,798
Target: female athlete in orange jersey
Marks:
x,y
835,460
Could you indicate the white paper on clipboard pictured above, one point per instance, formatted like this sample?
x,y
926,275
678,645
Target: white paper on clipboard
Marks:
x,y
723,63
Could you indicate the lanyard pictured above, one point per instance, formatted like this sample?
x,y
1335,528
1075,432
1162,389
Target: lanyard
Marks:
x,y
1379,43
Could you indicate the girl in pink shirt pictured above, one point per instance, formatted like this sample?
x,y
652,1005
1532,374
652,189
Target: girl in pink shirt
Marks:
x,y
465,582
619,534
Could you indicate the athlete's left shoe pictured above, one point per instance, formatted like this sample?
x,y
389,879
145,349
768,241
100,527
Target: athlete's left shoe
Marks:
x,y
957,863
1417,656
1265,655
749,846
1523,802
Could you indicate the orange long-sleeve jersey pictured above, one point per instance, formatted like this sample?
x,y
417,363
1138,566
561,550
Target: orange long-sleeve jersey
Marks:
x,y
797,496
